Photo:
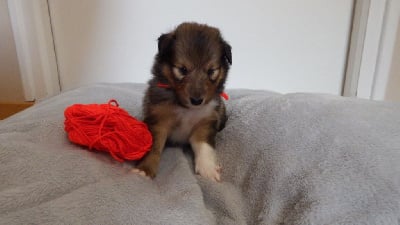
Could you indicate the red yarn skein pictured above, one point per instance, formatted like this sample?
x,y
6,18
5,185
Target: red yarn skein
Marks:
x,y
108,128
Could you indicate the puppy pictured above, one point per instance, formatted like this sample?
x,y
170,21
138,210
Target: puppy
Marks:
x,y
182,103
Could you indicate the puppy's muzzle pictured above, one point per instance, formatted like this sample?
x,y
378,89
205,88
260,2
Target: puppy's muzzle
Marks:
x,y
196,101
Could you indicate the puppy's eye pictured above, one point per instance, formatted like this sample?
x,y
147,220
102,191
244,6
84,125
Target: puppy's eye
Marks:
x,y
183,70
213,73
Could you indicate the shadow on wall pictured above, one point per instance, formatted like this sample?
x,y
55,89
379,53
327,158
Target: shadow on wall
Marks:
x,y
10,79
393,86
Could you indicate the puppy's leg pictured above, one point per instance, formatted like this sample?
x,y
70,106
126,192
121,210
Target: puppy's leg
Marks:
x,y
150,163
203,142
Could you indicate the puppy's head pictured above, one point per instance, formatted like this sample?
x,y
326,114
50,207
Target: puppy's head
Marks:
x,y
194,60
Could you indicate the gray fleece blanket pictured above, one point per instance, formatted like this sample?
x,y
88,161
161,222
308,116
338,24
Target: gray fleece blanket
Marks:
x,y
287,159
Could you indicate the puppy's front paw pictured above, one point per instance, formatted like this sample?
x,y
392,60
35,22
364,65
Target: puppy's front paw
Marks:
x,y
208,169
205,162
148,167
140,172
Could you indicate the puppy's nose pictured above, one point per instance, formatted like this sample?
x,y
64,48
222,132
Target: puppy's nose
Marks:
x,y
196,101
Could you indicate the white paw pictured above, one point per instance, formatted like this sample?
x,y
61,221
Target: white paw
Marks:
x,y
205,162
208,170
140,172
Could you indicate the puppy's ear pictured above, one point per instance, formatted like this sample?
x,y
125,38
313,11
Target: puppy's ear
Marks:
x,y
227,51
164,43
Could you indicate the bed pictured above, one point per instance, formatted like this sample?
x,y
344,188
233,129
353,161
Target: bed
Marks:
x,y
287,159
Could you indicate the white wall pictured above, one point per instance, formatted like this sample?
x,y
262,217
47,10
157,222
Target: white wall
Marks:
x,y
280,45
10,79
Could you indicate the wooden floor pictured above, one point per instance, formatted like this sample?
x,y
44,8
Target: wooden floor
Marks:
x,y
8,109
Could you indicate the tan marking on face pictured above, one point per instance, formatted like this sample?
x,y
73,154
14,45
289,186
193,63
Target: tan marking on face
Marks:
x,y
213,73
178,72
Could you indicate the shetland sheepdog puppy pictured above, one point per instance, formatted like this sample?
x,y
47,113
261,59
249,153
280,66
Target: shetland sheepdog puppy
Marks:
x,y
182,104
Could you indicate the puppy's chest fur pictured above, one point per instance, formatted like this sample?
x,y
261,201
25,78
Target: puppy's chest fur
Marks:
x,y
187,119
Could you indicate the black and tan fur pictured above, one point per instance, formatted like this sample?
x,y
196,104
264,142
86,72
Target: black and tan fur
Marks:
x,y
193,60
